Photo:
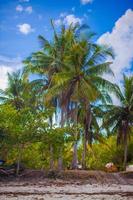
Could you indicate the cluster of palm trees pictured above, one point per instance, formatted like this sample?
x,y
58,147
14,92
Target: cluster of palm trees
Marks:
x,y
70,79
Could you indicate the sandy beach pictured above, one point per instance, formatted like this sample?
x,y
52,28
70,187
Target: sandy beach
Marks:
x,y
64,190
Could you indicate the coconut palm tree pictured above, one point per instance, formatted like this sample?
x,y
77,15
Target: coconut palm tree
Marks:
x,y
81,79
73,67
50,60
120,117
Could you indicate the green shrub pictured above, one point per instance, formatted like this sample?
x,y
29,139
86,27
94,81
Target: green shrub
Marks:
x,y
102,153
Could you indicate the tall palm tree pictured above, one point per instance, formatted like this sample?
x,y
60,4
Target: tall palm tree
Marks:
x,y
73,67
81,79
120,117
50,60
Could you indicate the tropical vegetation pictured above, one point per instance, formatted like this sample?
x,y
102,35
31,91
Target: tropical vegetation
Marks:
x,y
65,116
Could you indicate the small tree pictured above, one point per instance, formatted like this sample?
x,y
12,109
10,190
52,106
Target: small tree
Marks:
x,y
21,128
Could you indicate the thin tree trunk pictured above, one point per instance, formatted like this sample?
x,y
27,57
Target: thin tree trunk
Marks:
x,y
19,160
51,157
87,124
75,157
51,148
125,143
125,153
18,167
84,151
60,160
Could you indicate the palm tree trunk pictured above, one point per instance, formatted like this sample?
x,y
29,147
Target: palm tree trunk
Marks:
x,y
87,123
84,151
75,157
125,144
125,153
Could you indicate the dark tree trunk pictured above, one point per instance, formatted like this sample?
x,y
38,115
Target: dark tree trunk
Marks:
x,y
125,154
75,156
84,151
125,129
87,123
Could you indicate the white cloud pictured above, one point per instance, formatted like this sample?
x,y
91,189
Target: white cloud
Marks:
x,y
19,8
67,20
121,40
29,9
86,1
8,65
25,28
71,19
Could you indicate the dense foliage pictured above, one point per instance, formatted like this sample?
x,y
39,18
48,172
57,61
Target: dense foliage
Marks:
x,y
66,116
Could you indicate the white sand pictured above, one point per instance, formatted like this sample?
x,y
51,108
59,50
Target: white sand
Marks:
x,y
44,191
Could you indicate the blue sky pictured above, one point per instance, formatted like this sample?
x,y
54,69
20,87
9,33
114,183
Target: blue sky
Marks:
x,y
21,21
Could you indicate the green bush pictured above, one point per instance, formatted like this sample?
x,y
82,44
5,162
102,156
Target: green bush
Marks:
x,y
102,153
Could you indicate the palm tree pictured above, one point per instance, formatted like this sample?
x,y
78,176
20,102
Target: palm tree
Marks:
x,y
20,92
81,79
14,91
73,67
120,117
50,60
